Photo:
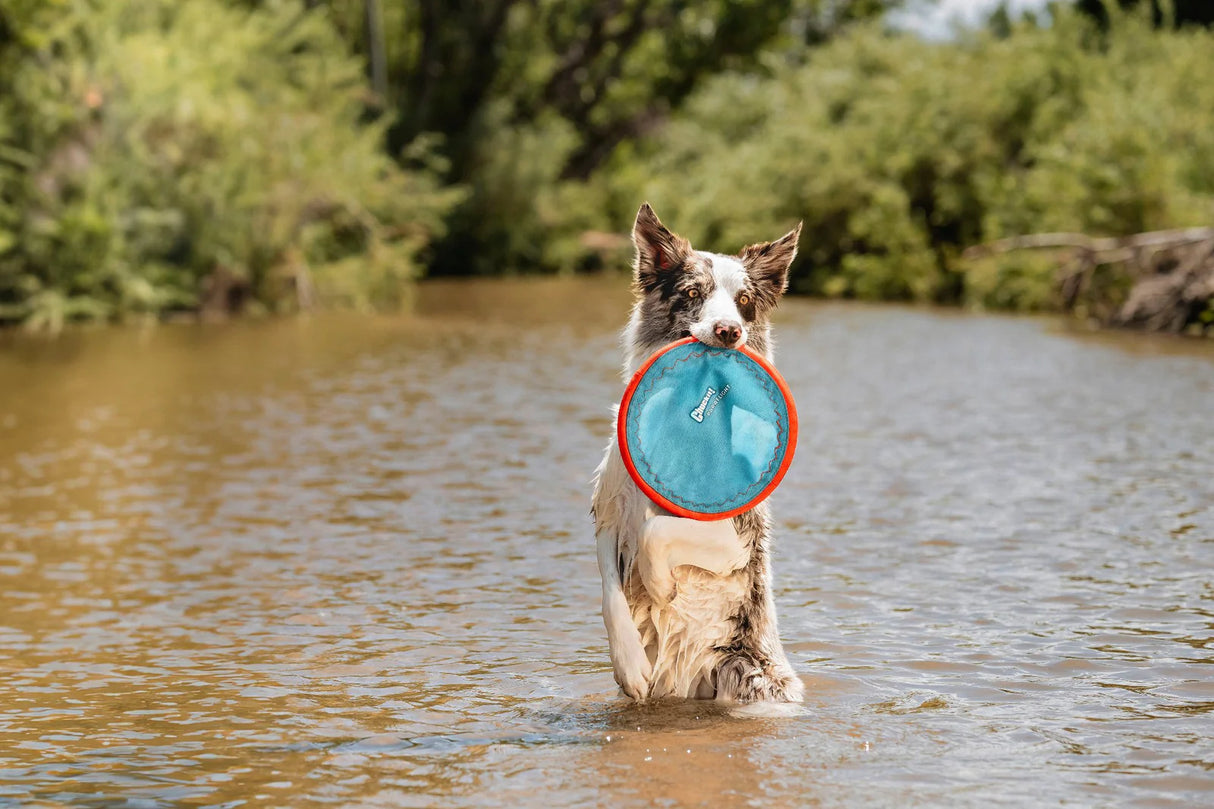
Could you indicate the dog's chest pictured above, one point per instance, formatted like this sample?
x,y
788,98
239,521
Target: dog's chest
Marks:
x,y
704,599
684,637
703,611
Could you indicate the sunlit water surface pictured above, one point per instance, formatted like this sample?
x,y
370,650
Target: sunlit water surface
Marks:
x,y
348,561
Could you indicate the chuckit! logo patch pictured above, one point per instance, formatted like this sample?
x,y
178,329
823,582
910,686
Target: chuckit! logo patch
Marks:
x,y
708,403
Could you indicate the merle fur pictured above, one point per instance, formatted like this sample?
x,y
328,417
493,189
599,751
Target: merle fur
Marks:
x,y
751,665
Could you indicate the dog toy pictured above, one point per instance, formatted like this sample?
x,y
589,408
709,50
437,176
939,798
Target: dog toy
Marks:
x,y
707,432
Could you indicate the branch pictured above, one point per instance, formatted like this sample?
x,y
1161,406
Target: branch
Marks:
x,y
486,56
1116,248
598,144
578,56
625,40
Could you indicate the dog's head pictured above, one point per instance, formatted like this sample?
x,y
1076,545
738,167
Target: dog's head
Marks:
x,y
720,300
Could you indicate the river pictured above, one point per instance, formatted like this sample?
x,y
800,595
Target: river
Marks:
x,y
346,561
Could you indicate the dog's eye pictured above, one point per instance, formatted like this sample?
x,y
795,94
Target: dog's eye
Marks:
x,y
743,299
693,293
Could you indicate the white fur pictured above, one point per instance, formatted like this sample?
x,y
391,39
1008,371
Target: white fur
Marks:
x,y
730,278
722,306
633,669
673,587
663,644
669,542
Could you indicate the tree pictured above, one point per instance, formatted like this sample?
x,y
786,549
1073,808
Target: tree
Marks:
x,y
1175,12
584,76
481,77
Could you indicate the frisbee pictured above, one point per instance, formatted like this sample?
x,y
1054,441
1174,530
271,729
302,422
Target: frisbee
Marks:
x,y
707,432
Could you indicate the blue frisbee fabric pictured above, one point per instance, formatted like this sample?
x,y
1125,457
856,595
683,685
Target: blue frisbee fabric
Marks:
x,y
707,432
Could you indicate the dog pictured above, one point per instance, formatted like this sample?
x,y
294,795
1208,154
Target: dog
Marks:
x,y
687,603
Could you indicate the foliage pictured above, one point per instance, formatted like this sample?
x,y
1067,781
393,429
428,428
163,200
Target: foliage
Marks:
x,y
1163,12
899,153
528,95
157,155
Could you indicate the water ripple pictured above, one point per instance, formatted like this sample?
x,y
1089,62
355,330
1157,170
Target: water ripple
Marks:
x,y
348,561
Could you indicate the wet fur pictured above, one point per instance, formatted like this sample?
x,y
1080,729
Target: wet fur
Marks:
x,y
714,636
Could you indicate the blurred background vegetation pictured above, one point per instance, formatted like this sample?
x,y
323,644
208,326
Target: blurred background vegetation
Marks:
x,y
159,156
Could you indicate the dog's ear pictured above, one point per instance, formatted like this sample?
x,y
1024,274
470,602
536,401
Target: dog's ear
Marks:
x,y
658,250
767,263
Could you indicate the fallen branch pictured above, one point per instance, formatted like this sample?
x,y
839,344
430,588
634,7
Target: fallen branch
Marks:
x,y
1172,270
1158,239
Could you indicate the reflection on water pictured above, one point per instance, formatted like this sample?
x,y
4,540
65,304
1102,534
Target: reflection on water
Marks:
x,y
348,560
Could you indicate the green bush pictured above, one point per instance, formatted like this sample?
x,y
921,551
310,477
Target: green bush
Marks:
x,y
151,150
159,155
899,153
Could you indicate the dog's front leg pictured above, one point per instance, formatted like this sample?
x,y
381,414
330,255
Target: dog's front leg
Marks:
x,y
668,542
628,658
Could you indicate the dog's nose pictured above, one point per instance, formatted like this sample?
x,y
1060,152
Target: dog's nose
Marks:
x,y
728,332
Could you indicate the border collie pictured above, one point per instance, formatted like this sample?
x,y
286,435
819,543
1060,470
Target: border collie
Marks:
x,y
688,603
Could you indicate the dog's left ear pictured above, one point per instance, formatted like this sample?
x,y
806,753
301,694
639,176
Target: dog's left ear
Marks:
x,y
767,262
658,251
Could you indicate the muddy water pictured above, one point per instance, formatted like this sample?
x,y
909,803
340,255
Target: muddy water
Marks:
x,y
347,561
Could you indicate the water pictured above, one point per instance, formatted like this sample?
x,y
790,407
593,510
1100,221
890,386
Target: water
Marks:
x,y
348,561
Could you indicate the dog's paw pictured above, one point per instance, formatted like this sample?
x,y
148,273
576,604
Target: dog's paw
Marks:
x,y
633,671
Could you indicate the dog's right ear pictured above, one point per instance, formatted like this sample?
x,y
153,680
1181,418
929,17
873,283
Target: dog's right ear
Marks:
x,y
767,263
658,250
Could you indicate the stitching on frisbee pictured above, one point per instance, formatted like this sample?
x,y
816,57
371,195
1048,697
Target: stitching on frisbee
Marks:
x,y
749,365
731,500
